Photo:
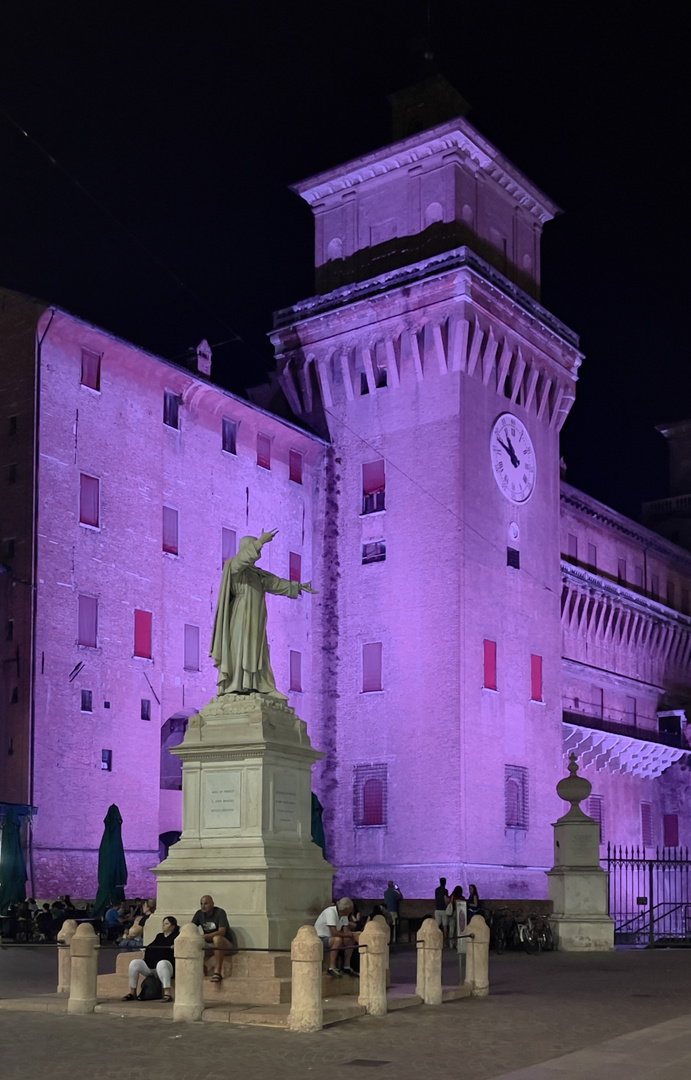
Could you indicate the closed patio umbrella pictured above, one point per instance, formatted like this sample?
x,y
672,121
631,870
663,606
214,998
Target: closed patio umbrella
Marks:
x,y
112,868
12,864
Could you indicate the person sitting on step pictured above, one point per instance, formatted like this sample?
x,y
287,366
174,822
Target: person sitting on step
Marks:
x,y
158,957
214,923
333,927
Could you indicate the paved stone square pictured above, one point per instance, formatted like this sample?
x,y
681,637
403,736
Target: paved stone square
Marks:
x,y
550,1017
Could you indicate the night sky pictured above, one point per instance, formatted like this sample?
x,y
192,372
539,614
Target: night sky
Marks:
x,y
176,132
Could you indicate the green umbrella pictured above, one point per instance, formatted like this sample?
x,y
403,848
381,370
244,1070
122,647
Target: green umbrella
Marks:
x,y
317,826
12,865
112,868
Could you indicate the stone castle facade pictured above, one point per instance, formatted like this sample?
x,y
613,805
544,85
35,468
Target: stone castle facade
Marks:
x,y
477,617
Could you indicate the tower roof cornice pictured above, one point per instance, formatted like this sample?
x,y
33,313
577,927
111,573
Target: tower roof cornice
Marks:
x,y
455,135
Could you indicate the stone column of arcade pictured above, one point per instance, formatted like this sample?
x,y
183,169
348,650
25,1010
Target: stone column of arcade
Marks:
x,y
246,785
577,884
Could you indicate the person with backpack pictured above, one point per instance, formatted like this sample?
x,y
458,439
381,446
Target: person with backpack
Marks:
x,y
158,964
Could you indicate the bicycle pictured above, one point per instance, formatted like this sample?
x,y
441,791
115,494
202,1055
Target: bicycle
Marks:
x,y
526,936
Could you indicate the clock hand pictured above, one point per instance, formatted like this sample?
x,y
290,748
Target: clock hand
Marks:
x,y
510,451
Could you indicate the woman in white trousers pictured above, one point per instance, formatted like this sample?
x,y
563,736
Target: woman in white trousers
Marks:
x,y
158,958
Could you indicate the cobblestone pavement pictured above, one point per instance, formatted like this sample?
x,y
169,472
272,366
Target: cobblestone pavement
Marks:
x,y
565,1016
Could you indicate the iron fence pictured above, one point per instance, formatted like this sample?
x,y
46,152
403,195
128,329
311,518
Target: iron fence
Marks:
x,y
649,896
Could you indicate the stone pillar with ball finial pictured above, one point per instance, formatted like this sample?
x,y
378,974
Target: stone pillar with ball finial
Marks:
x,y
577,884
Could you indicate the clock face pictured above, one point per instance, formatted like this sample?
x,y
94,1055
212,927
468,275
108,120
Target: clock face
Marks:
x,y
513,458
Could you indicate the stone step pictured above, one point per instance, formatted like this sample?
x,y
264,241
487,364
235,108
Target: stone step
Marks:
x,y
247,965
238,990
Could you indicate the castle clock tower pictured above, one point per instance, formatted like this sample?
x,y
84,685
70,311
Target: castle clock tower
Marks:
x,y
442,384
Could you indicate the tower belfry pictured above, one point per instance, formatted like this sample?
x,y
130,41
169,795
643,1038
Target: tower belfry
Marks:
x,y
443,385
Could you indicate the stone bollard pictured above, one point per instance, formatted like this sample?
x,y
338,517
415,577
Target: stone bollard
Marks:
x,y
477,957
306,954
83,970
67,932
430,942
189,973
374,963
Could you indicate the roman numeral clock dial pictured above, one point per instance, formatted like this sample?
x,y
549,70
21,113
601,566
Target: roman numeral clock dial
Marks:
x,y
512,456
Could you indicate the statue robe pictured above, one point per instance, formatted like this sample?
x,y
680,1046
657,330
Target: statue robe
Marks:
x,y
238,644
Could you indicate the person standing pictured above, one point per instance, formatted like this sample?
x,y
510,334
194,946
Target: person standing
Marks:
x,y
441,901
392,899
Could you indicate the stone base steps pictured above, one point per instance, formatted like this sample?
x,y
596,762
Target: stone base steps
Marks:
x,y
249,979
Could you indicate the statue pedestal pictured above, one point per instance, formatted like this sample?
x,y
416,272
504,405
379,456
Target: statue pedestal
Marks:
x,y
246,817
577,885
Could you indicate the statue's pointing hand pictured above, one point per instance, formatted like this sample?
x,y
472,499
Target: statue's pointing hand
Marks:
x,y
267,537
307,587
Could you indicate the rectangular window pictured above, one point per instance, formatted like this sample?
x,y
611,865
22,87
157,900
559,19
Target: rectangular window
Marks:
x,y
670,594
373,486
516,797
13,425
171,409
630,710
89,491
264,451
598,702
573,546
295,466
372,667
88,621
107,760
295,670
142,634
638,576
373,552
670,830
229,435
12,473
685,601
513,558
228,544
9,630
621,571
535,678
647,824
170,530
592,556
8,547
489,660
370,783
294,566
655,586
91,369
595,808
191,660
145,711
87,701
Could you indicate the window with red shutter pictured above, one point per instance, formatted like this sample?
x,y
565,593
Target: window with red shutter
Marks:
x,y
490,664
295,466
142,634
535,678
294,566
264,451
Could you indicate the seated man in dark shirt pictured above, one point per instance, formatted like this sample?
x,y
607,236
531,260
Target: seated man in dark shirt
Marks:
x,y
214,922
